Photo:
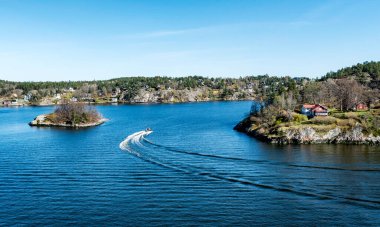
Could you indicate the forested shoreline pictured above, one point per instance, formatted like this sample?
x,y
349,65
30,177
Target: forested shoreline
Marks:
x,y
147,89
335,89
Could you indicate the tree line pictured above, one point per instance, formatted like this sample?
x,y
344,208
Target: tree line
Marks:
x,y
130,86
340,89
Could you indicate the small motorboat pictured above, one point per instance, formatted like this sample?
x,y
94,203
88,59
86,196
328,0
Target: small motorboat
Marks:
x,y
148,130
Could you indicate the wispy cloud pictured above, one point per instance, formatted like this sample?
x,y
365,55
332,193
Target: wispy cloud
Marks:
x,y
168,33
214,28
330,11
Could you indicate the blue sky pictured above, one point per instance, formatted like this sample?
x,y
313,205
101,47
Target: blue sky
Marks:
x,y
90,39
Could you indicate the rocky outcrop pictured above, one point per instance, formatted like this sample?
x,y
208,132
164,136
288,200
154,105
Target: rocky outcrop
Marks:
x,y
201,94
309,135
41,121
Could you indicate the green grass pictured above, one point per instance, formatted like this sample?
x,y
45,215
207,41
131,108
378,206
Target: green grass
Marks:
x,y
368,120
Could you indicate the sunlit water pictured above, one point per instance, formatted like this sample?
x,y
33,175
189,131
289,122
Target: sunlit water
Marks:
x,y
192,170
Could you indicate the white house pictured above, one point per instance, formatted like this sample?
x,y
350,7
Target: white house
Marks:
x,y
14,102
27,97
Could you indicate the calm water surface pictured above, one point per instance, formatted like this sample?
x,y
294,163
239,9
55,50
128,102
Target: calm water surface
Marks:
x,y
192,170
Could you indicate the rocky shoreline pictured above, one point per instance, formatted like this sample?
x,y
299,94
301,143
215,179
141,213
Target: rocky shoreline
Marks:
x,y
130,102
40,121
309,135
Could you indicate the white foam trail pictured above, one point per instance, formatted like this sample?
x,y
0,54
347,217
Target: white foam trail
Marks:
x,y
134,138
137,137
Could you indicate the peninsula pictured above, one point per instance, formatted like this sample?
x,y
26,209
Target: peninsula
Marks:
x,y
341,107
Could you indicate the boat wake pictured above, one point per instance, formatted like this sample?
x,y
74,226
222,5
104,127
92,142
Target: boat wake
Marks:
x,y
172,149
136,145
134,138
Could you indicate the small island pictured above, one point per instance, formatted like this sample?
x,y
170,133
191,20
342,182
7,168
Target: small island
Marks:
x,y
70,115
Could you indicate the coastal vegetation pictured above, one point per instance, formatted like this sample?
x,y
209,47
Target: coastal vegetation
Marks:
x,y
333,89
276,115
367,73
74,113
145,90
292,127
70,115
351,104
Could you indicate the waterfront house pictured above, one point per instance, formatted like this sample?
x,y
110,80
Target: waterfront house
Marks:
x,y
320,110
14,102
312,110
361,107
306,109
7,102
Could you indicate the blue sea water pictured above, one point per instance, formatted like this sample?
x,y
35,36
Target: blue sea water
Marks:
x,y
192,170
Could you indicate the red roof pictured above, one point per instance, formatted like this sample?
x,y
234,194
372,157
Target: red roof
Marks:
x,y
315,107
319,110
308,106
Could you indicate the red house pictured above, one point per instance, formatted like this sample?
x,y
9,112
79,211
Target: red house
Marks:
x,y
361,107
312,110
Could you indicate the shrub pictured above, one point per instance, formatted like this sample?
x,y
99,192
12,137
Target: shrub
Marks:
x,y
376,112
299,117
351,122
51,117
339,115
323,120
255,120
323,128
278,121
74,113
346,123
287,124
352,115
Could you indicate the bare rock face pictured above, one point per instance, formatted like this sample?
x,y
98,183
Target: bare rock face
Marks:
x,y
309,135
373,139
38,120
175,96
336,135
354,135
304,135
145,97
332,134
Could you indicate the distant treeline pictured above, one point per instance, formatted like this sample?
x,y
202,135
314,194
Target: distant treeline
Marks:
x,y
130,86
340,89
367,73
157,82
